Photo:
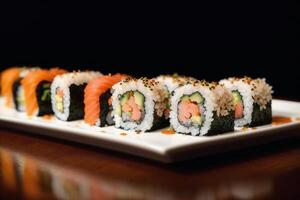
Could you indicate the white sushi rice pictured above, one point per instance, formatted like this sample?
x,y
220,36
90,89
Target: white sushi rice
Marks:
x,y
21,97
152,103
208,105
63,82
173,82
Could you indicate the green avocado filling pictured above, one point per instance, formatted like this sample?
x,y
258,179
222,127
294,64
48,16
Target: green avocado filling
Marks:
x,y
43,95
237,98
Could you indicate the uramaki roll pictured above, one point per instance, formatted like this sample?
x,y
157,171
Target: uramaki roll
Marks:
x,y
252,100
139,104
172,82
202,108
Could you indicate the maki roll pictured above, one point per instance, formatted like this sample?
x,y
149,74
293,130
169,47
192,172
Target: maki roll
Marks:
x,y
252,100
139,104
36,86
67,94
8,77
172,82
202,108
97,100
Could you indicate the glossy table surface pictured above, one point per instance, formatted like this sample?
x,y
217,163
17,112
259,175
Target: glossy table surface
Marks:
x,y
37,167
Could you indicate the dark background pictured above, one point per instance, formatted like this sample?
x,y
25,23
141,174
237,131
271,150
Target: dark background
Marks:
x,y
205,41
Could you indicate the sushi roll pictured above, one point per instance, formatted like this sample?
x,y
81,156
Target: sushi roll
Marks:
x,y
8,77
97,100
139,104
12,89
18,90
67,94
172,82
252,100
202,108
36,86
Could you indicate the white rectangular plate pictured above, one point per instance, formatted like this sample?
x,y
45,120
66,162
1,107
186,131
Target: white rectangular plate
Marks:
x,y
156,145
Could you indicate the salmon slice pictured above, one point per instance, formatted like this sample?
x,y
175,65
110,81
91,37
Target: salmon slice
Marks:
x,y
8,77
30,83
94,89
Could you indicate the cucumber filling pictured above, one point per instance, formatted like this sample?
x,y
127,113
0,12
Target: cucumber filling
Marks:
x,y
191,110
46,92
131,107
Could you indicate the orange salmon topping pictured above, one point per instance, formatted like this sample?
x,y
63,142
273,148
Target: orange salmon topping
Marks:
x,y
94,89
30,83
8,77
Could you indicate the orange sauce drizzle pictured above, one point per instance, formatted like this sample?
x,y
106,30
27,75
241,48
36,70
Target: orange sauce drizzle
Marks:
x,y
47,117
123,134
168,132
278,120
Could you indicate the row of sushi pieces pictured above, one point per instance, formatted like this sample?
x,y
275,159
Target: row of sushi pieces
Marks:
x,y
190,106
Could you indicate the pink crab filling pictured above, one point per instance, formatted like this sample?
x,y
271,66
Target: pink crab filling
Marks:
x,y
187,109
131,107
239,109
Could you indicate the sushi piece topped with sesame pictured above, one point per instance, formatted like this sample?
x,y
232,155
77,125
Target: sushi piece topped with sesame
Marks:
x,y
139,104
252,100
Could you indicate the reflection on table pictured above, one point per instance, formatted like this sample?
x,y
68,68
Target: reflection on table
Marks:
x,y
35,178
